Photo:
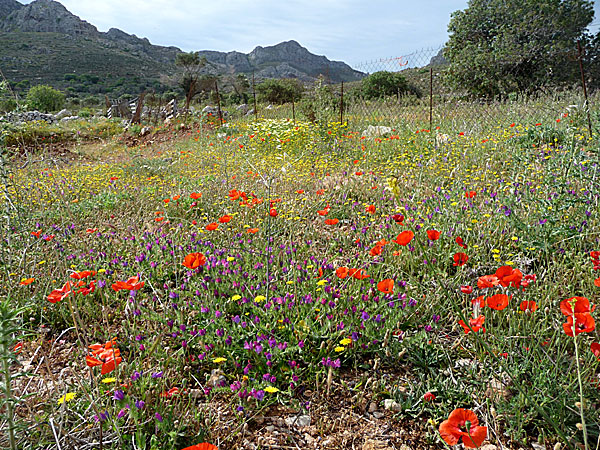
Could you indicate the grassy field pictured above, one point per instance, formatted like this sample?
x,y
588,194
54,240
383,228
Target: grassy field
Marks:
x,y
278,285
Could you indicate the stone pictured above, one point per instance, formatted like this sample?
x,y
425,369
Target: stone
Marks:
x,y
376,131
242,108
250,112
373,444
62,114
378,415
145,131
298,421
69,119
392,405
492,447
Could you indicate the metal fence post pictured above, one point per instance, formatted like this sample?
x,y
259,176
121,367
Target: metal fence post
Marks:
x,y
342,105
587,105
254,95
430,99
219,102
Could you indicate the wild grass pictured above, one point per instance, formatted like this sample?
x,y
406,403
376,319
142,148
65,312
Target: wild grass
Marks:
x,y
269,316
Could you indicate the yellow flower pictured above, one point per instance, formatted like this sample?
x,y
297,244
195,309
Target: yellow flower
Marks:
x,y
108,380
339,349
67,398
321,282
236,297
271,389
230,258
346,341
218,360
259,298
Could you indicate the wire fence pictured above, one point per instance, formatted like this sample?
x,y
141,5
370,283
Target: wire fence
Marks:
x,y
428,100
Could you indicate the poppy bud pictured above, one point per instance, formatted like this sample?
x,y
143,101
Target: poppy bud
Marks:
x,y
273,212
466,289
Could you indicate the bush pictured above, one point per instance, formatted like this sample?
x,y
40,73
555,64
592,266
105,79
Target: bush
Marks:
x,y
45,99
280,91
383,84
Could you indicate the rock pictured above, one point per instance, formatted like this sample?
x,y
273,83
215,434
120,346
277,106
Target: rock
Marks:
x,y
145,131
372,407
493,447
392,405
210,110
298,421
269,107
69,119
376,131
250,112
372,444
378,415
242,108
270,428
62,114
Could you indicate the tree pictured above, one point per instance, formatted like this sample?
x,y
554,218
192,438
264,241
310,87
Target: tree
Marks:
x,y
280,91
190,64
383,84
502,46
45,98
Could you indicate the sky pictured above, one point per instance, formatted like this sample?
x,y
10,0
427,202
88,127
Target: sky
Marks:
x,y
353,31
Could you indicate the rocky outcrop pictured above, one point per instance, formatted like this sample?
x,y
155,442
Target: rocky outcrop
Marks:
x,y
8,6
285,60
47,16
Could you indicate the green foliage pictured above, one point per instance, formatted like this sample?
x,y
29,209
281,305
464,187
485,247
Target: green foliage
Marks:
x,y
321,105
190,64
45,98
383,84
280,91
498,46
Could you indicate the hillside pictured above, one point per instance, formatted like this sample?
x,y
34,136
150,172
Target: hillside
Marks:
x,y
42,42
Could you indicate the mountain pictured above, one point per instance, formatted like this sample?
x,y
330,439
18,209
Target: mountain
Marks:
x,y
44,43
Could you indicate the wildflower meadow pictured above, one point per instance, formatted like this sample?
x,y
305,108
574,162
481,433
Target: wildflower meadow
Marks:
x,y
280,284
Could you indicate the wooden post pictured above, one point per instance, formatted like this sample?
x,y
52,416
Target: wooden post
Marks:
x,y
431,99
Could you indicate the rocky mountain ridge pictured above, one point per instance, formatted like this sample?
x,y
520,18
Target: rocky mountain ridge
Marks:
x,y
285,60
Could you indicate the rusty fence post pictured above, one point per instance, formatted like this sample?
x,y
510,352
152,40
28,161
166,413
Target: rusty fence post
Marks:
x,y
254,95
431,99
219,103
587,105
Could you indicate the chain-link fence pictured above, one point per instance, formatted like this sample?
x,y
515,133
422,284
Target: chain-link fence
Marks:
x,y
417,91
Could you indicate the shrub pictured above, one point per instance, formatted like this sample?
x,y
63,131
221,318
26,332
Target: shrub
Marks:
x,y
383,84
280,91
45,98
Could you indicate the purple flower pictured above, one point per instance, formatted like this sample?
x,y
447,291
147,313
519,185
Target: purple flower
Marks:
x,y
135,376
139,404
118,395
157,374
158,417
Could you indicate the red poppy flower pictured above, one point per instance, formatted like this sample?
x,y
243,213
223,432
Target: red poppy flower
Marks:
x,y
91,230
132,284
273,212
225,219
107,356
203,446
470,194
234,194
528,306
60,294
342,272
527,280
428,397
582,323
487,281
404,238
27,281
212,226
582,306
386,286
370,209
497,302
170,393
377,250
194,260
433,235
460,242
597,282
83,274
508,276
466,289
195,195
463,423
252,230
460,259
359,274
36,233
398,218
476,324
594,255
87,289
331,221
323,212
595,348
